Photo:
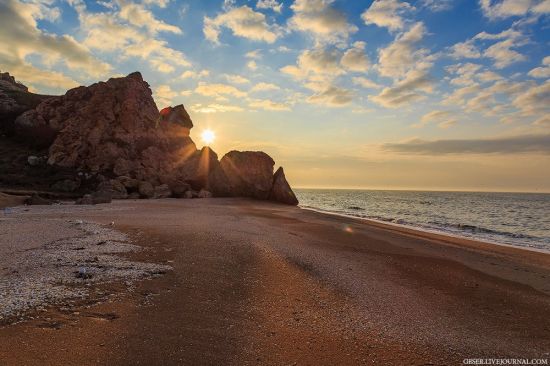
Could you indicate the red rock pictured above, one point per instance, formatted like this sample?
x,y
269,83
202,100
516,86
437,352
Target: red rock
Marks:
x,y
244,174
281,191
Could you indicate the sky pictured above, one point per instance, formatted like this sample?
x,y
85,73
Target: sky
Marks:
x,y
385,94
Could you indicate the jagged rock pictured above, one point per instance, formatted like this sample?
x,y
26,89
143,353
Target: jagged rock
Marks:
x,y
111,128
162,191
244,174
128,183
177,115
204,194
87,199
66,185
146,190
179,188
114,187
14,100
35,199
281,191
102,197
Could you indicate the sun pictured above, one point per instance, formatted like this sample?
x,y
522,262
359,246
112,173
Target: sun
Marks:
x,y
208,136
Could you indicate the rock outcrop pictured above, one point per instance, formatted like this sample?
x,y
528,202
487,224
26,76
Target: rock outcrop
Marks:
x,y
14,100
112,135
281,191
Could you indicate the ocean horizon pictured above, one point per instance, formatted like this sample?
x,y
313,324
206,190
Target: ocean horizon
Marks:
x,y
512,218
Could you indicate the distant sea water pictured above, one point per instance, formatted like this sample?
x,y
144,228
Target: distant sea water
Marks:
x,y
517,219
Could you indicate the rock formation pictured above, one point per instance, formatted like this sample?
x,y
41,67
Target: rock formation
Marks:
x,y
281,191
113,136
14,100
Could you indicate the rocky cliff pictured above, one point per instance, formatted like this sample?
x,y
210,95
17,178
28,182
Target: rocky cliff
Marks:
x,y
112,136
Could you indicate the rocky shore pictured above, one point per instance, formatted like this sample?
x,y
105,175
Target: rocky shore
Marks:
x,y
109,141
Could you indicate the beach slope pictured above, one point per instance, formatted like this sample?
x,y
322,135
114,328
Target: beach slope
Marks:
x,y
263,283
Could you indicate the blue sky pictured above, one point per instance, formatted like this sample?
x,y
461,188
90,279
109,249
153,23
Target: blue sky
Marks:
x,y
342,93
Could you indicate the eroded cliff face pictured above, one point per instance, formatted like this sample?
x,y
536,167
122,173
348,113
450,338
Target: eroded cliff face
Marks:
x,y
111,133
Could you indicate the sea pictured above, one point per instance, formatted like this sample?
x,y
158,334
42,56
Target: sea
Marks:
x,y
517,219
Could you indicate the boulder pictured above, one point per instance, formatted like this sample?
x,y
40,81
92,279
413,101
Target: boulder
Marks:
x,y
281,191
146,190
204,194
114,187
35,199
66,185
190,194
179,188
162,191
95,198
177,115
244,174
128,183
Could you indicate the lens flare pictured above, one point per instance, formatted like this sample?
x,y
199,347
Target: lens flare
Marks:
x,y
208,136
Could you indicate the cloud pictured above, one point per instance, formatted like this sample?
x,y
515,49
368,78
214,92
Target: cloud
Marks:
x,y
21,38
252,65
534,100
215,108
508,8
400,56
366,83
138,15
214,90
387,13
332,96
321,20
270,4
164,95
355,59
236,79
243,22
406,91
503,145
465,73
542,72
437,5
465,49
268,105
190,74
256,54
442,118
319,61
264,87
458,96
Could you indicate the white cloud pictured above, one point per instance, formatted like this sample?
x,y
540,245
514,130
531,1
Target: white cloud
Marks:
x,y
268,105
387,13
164,95
458,96
270,4
321,20
437,5
252,65
542,72
508,8
406,91
442,118
332,96
190,74
243,22
366,83
319,61
465,49
218,89
534,100
236,79
20,38
215,108
138,15
400,56
256,54
355,59
264,87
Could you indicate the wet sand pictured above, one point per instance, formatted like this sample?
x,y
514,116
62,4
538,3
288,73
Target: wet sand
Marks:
x,y
255,283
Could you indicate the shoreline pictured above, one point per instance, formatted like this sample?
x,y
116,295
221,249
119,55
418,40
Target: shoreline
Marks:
x,y
425,232
262,283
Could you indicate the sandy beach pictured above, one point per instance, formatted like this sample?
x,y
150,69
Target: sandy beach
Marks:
x,y
257,283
